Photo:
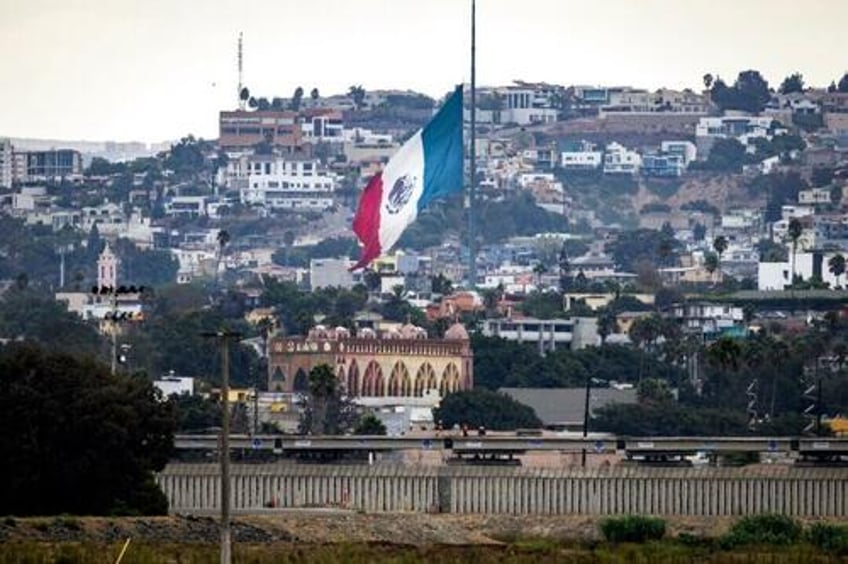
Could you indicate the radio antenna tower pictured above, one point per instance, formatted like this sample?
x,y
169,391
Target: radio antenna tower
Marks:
x,y
240,83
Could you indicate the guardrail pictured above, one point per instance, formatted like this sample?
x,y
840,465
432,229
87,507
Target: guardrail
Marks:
x,y
646,446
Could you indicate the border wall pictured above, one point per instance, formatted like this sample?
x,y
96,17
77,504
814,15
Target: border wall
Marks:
x,y
194,488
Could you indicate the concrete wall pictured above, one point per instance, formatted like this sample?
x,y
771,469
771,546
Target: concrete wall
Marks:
x,y
194,488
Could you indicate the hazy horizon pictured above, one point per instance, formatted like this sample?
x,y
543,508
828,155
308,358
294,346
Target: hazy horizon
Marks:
x,y
156,70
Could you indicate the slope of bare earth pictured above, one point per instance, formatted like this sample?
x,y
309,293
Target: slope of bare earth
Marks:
x,y
329,526
724,191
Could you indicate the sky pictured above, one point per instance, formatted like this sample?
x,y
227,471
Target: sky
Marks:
x,y
156,70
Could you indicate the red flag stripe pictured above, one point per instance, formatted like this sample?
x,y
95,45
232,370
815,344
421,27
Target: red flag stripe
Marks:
x,y
366,224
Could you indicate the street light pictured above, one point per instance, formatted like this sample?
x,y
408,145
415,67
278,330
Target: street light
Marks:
x,y
115,316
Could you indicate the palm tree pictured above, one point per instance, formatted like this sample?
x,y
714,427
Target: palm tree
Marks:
x,y
794,231
539,270
711,263
607,324
720,245
297,99
836,265
223,238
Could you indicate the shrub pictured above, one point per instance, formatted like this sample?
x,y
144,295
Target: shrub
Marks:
x,y
829,537
763,529
633,528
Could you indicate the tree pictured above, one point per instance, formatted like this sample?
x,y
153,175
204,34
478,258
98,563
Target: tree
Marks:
x,y
632,247
262,104
297,99
325,411
357,94
607,324
484,408
720,245
749,93
223,238
145,267
244,94
441,284
195,413
369,424
794,231
842,86
726,155
836,265
315,95
699,232
26,314
792,83
78,439
708,80
539,269
711,263
654,390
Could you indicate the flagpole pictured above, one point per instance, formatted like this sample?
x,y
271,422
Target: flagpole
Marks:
x,y
472,188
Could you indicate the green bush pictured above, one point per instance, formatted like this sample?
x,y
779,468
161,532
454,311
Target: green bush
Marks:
x,y
633,528
763,529
829,537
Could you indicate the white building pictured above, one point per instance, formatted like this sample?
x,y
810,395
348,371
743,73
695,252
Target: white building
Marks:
x,y
109,217
686,149
741,128
186,206
814,196
331,272
581,160
324,126
6,157
547,334
171,385
278,183
778,275
707,319
618,159
741,219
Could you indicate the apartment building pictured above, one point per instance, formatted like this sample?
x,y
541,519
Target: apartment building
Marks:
x,y
281,183
241,130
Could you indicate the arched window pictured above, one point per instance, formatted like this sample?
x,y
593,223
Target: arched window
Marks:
x,y
373,384
450,380
301,381
353,379
425,379
399,382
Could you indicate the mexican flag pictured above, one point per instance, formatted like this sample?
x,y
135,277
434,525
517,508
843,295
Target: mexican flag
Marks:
x,y
426,167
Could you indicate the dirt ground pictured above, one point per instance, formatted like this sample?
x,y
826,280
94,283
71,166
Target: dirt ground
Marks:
x,y
331,526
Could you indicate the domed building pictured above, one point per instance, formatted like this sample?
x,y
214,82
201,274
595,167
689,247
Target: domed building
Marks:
x,y
397,363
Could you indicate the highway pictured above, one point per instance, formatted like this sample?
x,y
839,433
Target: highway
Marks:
x,y
505,445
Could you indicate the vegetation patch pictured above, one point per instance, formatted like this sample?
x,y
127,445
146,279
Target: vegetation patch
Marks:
x,y
633,528
779,530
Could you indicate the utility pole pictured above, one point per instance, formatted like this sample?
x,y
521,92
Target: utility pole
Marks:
x,y
472,188
224,337
586,419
